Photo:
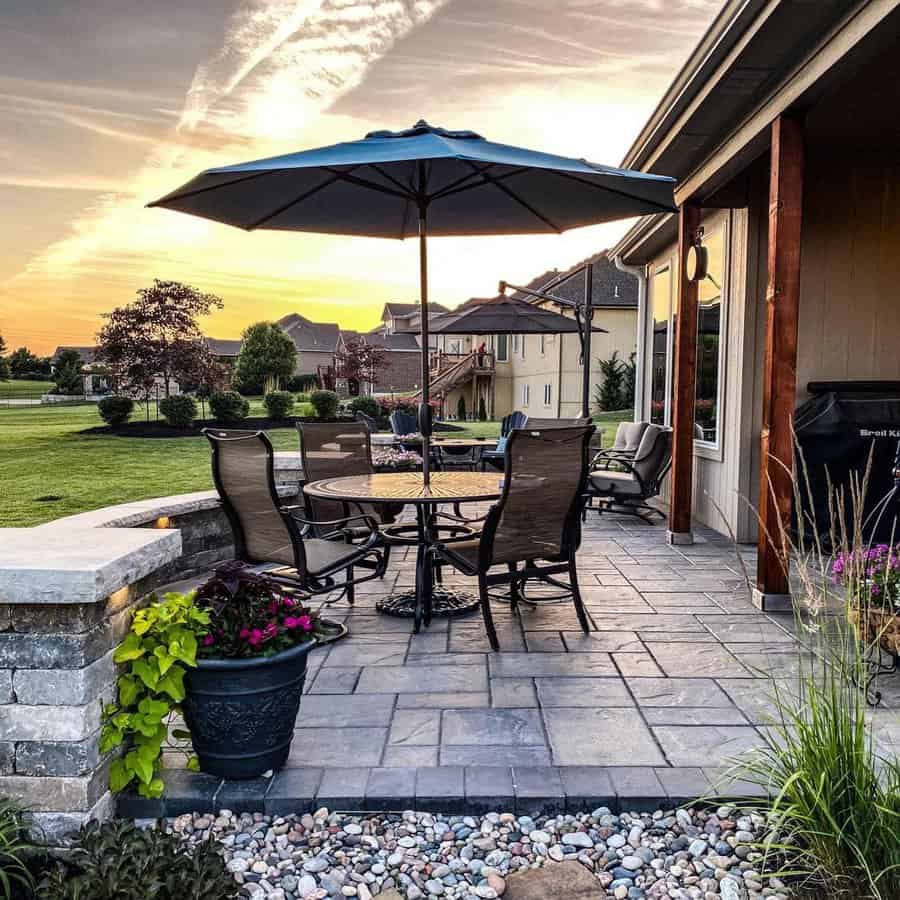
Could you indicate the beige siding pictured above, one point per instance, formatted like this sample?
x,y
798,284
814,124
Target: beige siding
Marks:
x,y
850,257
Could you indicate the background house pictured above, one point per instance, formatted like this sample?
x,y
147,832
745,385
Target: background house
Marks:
x,y
783,133
542,375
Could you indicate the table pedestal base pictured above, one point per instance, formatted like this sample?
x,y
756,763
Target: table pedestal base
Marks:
x,y
445,602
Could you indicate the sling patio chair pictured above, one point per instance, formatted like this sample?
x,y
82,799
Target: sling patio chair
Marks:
x,y
494,458
333,450
626,485
536,523
311,555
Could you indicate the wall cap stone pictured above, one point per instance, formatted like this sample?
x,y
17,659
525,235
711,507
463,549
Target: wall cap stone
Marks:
x,y
78,565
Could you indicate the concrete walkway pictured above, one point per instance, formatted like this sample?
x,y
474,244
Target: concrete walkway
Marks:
x,y
646,711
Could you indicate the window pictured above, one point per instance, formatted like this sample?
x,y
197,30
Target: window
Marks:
x,y
523,346
526,394
660,343
710,324
548,394
709,334
543,344
515,343
502,348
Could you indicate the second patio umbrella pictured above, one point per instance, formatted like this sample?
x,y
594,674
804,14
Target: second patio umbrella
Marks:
x,y
422,181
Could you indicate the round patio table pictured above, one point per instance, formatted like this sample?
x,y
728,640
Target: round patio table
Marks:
x,y
408,487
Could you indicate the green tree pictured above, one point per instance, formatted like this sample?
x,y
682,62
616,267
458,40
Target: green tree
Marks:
x,y
4,362
67,373
461,408
22,361
482,410
157,335
610,393
267,355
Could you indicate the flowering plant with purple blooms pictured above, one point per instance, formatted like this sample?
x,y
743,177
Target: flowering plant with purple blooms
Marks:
x,y
873,573
251,615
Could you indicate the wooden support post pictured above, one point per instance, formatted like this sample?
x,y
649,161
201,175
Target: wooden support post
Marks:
x,y
685,384
780,367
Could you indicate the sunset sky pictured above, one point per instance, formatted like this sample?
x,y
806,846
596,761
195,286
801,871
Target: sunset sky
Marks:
x,y
108,104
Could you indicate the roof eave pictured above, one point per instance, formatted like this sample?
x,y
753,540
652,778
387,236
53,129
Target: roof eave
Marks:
x,y
724,31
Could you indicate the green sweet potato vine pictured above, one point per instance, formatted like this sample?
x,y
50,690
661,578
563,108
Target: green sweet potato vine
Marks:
x,y
160,647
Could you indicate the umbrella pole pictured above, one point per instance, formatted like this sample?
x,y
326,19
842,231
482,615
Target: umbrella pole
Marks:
x,y
424,407
588,315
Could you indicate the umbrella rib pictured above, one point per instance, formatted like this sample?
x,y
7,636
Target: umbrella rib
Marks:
x,y
399,184
514,196
305,195
454,186
362,182
210,187
612,190
485,181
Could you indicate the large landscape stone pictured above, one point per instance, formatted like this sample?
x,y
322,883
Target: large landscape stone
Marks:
x,y
562,881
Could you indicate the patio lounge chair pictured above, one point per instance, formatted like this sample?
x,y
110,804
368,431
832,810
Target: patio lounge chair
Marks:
x,y
626,485
494,458
310,555
535,523
625,444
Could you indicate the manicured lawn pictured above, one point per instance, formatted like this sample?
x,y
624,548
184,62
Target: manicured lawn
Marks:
x,y
15,389
42,455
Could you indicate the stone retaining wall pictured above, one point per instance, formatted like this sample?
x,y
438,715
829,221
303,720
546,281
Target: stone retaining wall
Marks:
x,y
67,593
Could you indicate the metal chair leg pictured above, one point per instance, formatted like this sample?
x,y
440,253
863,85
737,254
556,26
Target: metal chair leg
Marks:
x,y
576,597
350,587
486,612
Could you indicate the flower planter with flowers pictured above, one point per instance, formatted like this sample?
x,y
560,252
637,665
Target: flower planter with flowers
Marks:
x,y
242,699
873,576
231,658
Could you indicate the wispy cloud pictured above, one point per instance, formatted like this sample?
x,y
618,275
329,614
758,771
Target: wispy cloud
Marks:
x,y
282,63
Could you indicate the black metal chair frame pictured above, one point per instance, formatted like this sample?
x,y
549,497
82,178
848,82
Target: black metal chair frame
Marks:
x,y
627,504
515,578
369,555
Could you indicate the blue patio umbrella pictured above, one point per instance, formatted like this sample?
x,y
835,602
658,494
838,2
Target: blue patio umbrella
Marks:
x,y
419,182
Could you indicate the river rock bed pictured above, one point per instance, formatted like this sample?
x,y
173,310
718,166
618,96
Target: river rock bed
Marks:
x,y
688,853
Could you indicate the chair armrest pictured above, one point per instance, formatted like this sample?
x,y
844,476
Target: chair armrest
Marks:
x,y
460,518
626,466
290,510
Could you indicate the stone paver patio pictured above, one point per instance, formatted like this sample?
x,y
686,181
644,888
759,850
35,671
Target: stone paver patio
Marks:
x,y
647,710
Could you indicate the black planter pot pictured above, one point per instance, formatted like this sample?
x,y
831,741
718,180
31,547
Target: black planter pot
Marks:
x,y
242,712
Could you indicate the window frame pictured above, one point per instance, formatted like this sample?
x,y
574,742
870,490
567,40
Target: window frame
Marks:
x,y
713,450
505,357
548,393
526,394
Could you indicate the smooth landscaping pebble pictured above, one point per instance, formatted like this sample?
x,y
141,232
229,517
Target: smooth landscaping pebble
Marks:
x,y
686,854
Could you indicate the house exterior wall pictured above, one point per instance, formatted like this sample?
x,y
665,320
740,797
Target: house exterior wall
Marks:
x,y
559,366
849,313
850,278
722,469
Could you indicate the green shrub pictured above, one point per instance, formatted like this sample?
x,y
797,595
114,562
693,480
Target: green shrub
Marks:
x,y
325,404
461,413
279,404
15,848
368,406
482,410
115,410
119,861
228,406
179,410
